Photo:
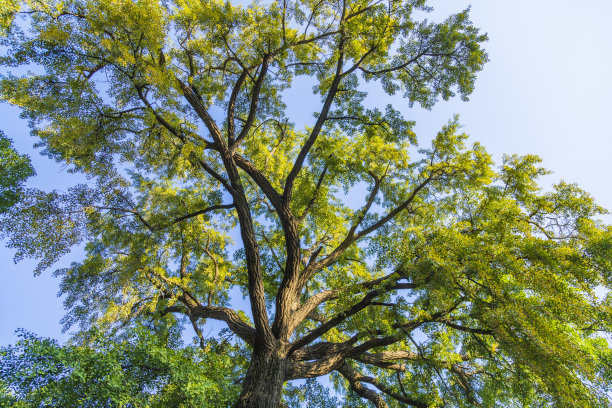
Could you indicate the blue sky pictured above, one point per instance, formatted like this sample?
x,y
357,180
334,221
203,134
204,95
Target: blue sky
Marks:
x,y
546,91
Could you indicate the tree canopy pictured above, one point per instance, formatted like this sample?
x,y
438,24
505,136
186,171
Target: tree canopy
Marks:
x,y
420,276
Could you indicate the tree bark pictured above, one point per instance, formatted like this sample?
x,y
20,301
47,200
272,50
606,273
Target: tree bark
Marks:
x,y
262,386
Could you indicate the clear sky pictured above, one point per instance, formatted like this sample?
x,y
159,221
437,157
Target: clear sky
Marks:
x,y
547,91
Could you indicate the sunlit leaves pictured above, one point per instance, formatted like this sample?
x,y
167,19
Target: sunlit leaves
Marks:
x,y
492,288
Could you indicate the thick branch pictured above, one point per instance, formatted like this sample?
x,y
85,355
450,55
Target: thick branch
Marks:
x,y
354,378
325,349
198,106
231,107
386,356
247,232
287,295
313,369
229,316
260,179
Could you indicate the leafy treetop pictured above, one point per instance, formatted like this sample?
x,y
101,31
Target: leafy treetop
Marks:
x,y
452,282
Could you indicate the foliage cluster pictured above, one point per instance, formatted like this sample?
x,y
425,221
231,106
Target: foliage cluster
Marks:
x,y
138,371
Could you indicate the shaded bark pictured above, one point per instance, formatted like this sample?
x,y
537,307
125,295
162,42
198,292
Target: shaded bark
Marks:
x,y
263,384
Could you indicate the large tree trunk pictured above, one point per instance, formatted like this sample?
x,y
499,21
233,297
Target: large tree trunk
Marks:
x,y
263,383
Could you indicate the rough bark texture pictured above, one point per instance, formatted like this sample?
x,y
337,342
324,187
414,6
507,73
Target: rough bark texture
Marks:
x,y
263,384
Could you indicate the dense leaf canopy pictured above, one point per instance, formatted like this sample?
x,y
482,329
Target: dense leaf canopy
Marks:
x,y
419,276
138,371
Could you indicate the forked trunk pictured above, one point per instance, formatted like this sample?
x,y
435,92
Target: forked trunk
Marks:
x,y
263,383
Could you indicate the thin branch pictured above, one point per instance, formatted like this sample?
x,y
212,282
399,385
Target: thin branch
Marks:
x,y
455,326
154,228
216,266
194,214
231,107
391,214
254,101
314,301
127,210
336,320
198,106
395,68
353,375
331,94
315,195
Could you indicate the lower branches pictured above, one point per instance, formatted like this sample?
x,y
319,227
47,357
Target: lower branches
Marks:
x,y
352,377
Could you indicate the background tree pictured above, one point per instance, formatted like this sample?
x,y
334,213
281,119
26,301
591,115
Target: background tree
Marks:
x,y
451,283
140,370
14,170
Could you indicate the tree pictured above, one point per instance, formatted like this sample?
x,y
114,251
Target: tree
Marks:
x,y
14,170
452,282
138,371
